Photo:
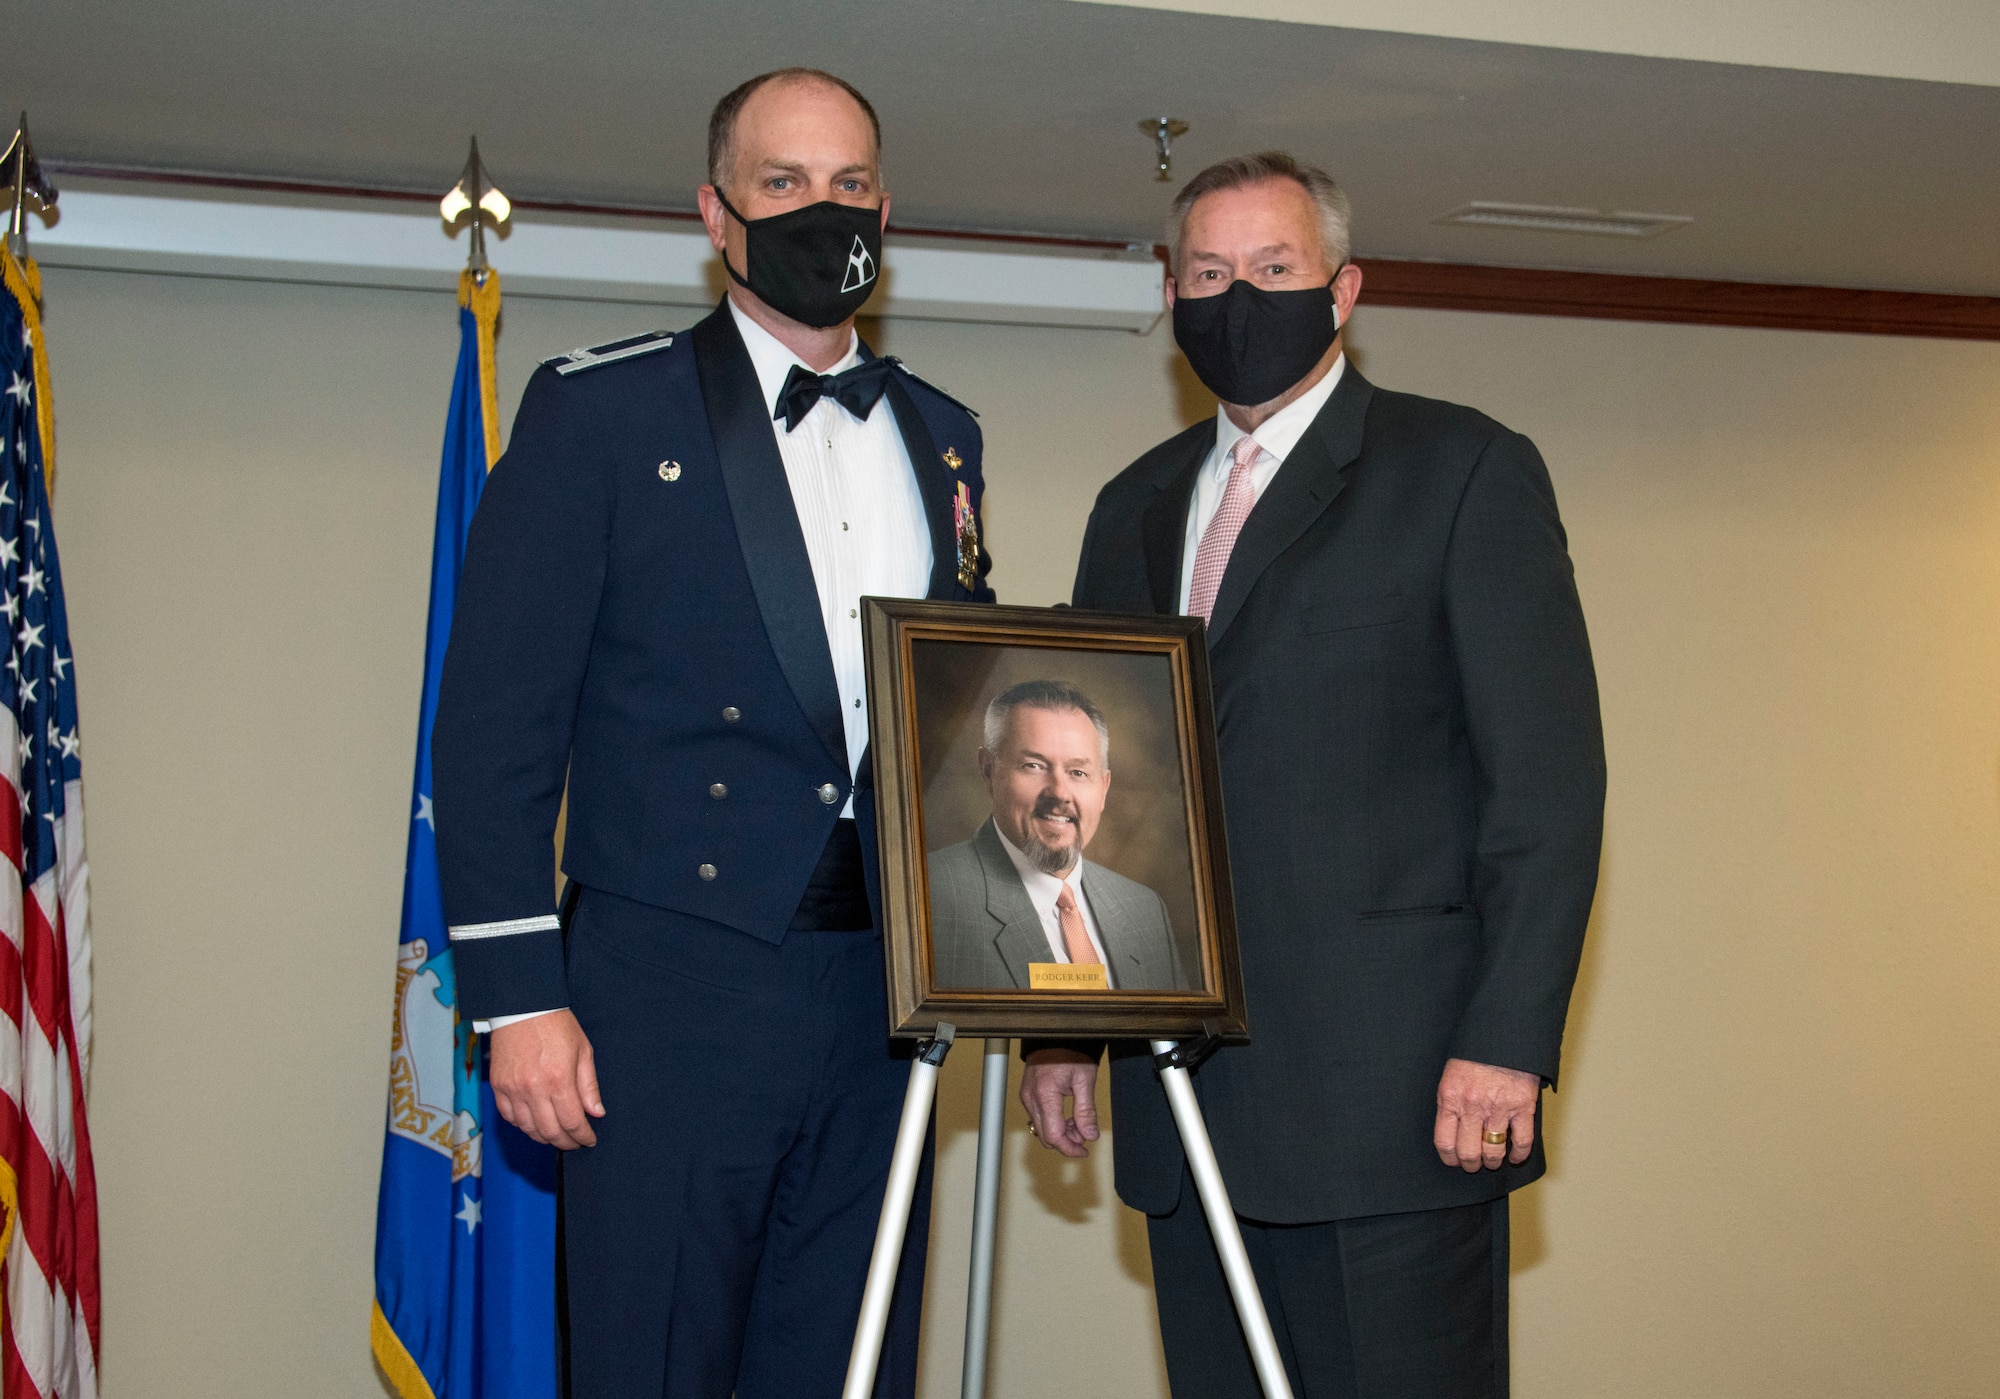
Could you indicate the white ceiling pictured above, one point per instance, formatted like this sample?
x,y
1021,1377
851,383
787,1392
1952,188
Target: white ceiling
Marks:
x,y
1951,41
1019,115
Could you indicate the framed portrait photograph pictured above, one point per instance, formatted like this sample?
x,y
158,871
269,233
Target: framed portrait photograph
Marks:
x,y
1052,846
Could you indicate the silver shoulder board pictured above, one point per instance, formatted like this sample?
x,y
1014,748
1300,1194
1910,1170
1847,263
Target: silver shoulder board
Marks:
x,y
610,354
929,385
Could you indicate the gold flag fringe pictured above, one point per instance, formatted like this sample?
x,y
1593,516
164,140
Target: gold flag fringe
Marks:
x,y
24,284
398,1366
483,299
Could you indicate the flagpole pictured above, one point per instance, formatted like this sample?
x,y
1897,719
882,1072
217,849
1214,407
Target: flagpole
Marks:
x,y
475,200
24,173
26,181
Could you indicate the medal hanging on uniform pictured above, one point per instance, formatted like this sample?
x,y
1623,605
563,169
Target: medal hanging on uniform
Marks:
x,y
968,539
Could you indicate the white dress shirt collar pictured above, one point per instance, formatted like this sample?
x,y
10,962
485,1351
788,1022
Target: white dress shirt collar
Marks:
x,y
1277,435
773,359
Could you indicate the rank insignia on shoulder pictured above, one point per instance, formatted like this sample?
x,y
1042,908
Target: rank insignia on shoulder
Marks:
x,y
929,385
598,355
952,459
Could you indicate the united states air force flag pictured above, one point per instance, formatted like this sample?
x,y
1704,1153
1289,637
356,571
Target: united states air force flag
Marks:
x,y
465,1227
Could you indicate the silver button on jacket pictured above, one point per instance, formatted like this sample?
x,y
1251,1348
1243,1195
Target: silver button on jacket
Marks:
x,y
718,791
829,794
706,871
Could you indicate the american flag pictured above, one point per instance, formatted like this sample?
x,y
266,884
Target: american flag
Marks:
x,y
48,1252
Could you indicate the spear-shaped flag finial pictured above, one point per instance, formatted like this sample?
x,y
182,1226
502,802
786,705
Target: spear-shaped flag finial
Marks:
x,y
475,197
26,181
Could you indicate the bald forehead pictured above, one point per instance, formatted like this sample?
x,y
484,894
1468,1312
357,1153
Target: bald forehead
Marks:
x,y
798,84
795,105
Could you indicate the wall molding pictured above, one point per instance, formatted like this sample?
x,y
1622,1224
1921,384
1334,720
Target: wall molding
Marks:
x,y
1522,291
1006,289
328,236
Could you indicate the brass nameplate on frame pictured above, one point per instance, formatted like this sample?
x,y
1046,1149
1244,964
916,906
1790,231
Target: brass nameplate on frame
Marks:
x,y
1067,976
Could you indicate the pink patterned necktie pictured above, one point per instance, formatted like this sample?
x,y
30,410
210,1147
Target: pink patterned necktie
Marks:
x,y
1211,559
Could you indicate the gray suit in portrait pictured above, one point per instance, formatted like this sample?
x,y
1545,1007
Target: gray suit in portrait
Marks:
x,y
985,931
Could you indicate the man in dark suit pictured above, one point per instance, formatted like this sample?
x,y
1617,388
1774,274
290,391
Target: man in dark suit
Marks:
x,y
659,612
1020,893
1413,771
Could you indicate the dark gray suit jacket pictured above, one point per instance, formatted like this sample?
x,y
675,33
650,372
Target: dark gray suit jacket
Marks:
x,y
985,931
1413,775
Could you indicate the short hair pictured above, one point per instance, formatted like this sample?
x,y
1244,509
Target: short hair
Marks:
x,y
722,121
1043,694
1335,214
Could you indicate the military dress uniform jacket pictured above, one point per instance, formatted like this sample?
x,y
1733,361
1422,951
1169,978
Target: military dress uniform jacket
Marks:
x,y
1413,776
638,620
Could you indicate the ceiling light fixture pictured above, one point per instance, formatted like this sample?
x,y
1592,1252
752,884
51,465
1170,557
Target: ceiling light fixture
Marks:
x,y
1543,218
1163,130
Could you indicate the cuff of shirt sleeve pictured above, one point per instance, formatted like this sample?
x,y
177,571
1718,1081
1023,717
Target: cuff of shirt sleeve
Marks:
x,y
487,1027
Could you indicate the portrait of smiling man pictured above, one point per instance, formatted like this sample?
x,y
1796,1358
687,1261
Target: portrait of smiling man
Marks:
x,y
659,615
1020,892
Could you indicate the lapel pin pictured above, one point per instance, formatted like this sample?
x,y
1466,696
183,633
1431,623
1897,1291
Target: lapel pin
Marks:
x,y
952,459
670,471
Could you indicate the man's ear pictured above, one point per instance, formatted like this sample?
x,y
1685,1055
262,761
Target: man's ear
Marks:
x,y
1170,291
985,764
1346,290
713,215
885,213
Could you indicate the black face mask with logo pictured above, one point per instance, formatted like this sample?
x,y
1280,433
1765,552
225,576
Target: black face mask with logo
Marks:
x,y
816,264
1250,345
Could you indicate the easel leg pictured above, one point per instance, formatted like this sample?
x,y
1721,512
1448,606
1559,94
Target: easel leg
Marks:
x,y
896,1200
985,1217
1222,1223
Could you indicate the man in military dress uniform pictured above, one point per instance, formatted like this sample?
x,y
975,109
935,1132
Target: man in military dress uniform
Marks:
x,y
660,611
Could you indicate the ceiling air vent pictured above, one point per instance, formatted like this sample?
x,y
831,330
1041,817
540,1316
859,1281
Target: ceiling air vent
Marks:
x,y
1541,218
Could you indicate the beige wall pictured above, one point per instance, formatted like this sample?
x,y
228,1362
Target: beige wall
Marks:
x,y
1773,1154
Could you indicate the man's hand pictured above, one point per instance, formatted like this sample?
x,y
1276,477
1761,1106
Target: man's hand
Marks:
x,y
1475,1099
1051,1076
545,1080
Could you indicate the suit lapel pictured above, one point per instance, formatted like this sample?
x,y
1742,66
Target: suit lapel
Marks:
x,y
1299,494
933,484
1020,938
1128,968
767,525
1164,527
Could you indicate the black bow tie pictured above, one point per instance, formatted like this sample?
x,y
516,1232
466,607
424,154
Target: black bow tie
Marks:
x,y
858,390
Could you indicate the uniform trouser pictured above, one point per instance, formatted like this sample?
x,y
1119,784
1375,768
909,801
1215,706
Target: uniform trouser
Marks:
x,y
1394,1306
717,1236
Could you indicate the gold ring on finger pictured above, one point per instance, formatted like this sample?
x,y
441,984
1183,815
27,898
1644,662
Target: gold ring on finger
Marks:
x,y
1496,1139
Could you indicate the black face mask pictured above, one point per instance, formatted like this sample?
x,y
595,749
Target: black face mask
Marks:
x,y
816,264
1250,345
